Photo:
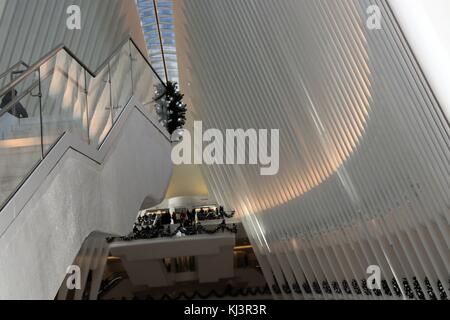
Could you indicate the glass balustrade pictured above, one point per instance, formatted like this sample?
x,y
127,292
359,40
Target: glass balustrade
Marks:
x,y
121,81
60,95
20,138
63,99
99,102
144,74
13,72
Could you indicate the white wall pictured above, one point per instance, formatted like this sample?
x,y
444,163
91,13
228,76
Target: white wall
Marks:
x,y
79,197
427,27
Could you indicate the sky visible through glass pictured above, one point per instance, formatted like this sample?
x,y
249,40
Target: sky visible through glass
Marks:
x,y
151,34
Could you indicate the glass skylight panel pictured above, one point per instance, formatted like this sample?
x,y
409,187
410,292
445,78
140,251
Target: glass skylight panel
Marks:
x,y
152,36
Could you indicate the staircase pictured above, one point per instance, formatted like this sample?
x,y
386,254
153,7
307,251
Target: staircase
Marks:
x,y
87,157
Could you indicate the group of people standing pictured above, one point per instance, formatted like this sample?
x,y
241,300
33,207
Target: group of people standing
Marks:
x,y
182,216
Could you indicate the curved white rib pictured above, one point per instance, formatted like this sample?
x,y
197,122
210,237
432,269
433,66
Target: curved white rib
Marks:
x,y
364,144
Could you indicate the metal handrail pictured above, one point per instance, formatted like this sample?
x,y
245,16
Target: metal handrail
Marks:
x,y
19,97
10,69
35,67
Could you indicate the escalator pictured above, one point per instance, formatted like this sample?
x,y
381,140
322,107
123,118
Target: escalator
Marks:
x,y
80,152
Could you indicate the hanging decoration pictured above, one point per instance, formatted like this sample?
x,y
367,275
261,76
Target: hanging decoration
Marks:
x,y
170,107
229,291
162,231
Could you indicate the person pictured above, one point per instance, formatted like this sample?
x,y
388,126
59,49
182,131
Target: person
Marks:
x,y
174,217
17,110
165,219
183,216
201,214
209,215
191,215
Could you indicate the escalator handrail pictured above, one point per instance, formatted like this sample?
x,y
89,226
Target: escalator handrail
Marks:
x,y
35,67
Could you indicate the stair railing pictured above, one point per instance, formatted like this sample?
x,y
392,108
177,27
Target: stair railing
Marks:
x,y
60,93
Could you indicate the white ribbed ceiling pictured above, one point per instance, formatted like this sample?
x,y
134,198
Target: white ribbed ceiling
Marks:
x,y
364,145
31,29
